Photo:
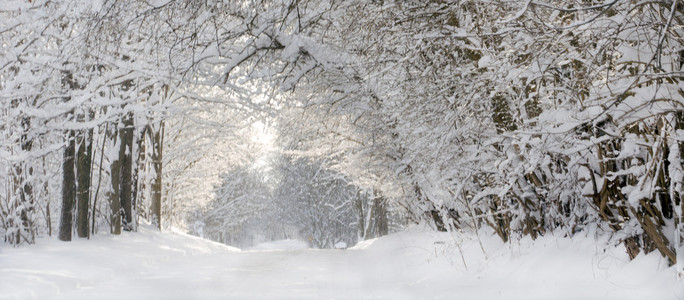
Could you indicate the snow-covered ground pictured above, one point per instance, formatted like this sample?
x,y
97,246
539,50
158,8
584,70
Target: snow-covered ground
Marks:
x,y
281,245
417,264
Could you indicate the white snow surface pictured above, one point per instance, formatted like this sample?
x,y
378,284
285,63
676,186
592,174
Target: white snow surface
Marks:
x,y
416,264
282,245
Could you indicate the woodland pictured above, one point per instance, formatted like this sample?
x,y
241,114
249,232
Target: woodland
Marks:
x,y
336,121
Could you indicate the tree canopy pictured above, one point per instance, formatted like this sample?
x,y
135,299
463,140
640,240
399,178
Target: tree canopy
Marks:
x,y
528,117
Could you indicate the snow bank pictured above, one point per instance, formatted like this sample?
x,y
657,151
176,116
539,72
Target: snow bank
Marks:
x,y
416,264
550,267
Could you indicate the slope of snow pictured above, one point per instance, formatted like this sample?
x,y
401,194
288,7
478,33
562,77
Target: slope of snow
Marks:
x,y
417,264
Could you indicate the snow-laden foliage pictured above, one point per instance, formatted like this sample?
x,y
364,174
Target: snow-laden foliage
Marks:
x,y
317,201
525,116
106,102
294,198
242,195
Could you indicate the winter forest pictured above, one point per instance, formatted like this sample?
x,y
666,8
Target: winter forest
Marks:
x,y
334,122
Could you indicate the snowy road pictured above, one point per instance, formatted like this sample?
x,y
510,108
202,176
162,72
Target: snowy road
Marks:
x,y
195,271
410,265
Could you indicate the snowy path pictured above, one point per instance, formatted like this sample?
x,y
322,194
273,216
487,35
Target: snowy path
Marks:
x,y
404,266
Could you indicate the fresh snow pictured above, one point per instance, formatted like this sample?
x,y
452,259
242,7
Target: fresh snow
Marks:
x,y
282,245
416,264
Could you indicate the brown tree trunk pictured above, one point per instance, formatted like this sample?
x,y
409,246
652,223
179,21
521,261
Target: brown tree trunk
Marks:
x,y
157,182
126,183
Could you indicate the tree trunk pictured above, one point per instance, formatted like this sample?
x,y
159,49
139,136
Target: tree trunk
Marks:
x,y
99,182
380,207
29,202
135,181
140,177
157,183
83,164
126,157
361,219
68,189
113,196
24,172
48,214
69,83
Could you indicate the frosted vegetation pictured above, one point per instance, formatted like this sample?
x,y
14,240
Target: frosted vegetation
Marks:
x,y
332,122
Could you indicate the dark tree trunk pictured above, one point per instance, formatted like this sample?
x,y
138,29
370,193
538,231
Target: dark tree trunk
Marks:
x,y
69,83
68,189
83,172
126,184
361,216
380,207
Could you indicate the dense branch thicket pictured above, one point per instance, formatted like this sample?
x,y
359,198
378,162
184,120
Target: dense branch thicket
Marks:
x,y
528,117
104,119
